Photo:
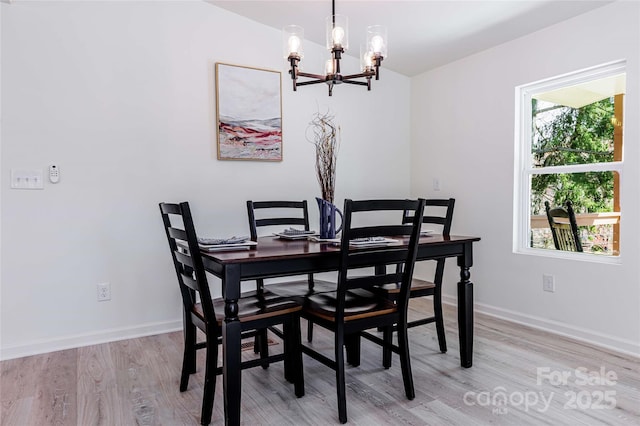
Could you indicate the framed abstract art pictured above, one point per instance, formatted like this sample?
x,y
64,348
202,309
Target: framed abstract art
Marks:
x,y
249,113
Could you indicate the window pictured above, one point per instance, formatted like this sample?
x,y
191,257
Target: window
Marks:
x,y
569,148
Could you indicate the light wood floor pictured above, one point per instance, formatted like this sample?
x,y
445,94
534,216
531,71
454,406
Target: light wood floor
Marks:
x,y
135,382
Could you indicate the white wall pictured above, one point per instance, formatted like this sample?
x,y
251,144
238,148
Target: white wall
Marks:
x,y
121,96
462,123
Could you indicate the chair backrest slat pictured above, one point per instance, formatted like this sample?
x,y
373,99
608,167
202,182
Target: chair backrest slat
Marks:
x,y
177,234
280,221
168,208
373,280
190,282
432,206
184,258
434,219
276,213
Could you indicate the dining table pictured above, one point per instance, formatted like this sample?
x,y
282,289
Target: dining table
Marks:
x,y
278,257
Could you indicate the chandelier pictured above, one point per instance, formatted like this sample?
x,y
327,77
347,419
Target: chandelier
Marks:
x,y
371,54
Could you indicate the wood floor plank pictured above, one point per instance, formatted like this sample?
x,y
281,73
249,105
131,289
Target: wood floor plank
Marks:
x,y
16,412
56,389
174,408
98,400
135,382
18,377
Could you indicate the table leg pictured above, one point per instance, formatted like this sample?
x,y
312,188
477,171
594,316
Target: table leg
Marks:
x,y
465,308
231,337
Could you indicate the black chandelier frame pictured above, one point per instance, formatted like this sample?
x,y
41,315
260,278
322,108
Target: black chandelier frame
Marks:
x,y
336,77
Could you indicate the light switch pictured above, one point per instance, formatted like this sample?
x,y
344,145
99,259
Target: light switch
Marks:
x,y
26,179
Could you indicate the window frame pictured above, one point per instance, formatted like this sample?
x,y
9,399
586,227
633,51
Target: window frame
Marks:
x,y
523,164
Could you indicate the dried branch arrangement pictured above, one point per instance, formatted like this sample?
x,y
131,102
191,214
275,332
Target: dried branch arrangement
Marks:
x,y
325,135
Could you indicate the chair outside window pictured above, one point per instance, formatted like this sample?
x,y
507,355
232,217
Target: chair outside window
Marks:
x,y
257,311
564,227
437,213
353,308
276,216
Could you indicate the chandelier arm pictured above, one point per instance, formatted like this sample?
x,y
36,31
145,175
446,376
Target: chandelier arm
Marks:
x,y
353,76
359,83
308,75
307,83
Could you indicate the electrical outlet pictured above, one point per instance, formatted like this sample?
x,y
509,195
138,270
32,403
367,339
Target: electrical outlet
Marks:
x,y
436,184
104,292
548,283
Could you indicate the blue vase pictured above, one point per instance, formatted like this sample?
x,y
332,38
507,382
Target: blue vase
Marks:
x,y
328,228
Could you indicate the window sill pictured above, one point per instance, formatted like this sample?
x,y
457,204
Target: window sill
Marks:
x,y
569,255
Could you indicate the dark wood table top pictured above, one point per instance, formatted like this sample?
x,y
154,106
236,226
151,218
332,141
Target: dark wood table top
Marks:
x,y
272,248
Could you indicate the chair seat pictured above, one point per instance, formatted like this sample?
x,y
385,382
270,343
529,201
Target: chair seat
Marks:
x,y
300,288
253,306
418,288
359,304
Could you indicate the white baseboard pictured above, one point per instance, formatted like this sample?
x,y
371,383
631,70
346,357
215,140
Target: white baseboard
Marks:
x,y
627,347
51,345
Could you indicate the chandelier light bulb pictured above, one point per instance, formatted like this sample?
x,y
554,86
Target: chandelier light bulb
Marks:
x,y
377,43
367,60
337,32
294,44
328,67
377,40
338,36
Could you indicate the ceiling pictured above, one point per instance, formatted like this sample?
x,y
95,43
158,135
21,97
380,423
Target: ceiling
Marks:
x,y
423,34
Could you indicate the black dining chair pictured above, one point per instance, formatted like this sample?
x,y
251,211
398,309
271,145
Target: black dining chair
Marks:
x,y
353,308
437,213
564,227
257,311
273,216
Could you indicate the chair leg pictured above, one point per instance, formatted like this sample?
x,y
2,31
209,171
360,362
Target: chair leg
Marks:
x,y
295,356
309,331
340,377
405,360
352,343
387,336
257,344
209,380
263,343
293,371
309,323
288,340
437,310
189,356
